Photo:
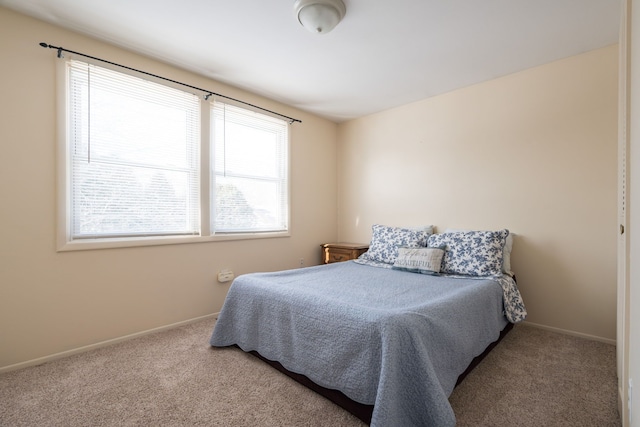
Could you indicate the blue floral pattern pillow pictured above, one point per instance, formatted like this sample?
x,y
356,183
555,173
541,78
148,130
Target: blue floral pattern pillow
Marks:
x,y
472,253
385,242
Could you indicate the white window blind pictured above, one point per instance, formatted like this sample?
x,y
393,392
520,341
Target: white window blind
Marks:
x,y
134,156
250,171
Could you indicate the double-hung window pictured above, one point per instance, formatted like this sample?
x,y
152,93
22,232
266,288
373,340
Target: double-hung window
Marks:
x,y
250,171
132,170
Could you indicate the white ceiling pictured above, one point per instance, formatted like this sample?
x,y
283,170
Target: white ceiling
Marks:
x,y
383,54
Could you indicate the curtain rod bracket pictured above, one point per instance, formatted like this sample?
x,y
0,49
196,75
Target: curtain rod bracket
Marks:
x,y
206,97
60,49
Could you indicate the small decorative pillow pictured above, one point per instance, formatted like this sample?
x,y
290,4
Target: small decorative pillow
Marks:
x,y
385,242
419,260
472,253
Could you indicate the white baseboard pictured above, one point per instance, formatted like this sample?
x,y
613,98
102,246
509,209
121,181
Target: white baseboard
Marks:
x,y
575,334
41,360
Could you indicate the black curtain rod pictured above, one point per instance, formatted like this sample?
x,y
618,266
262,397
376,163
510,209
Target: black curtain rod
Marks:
x,y
207,92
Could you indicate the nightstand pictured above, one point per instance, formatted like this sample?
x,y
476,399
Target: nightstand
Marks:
x,y
337,252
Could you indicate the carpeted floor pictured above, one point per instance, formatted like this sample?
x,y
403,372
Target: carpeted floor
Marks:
x,y
174,378
540,378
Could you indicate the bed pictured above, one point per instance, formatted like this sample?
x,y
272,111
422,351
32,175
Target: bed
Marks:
x,y
388,338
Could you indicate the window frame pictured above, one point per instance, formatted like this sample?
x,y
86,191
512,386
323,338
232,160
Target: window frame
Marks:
x,y
63,178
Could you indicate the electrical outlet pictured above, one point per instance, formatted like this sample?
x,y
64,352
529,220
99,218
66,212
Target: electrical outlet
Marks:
x,y
301,262
225,276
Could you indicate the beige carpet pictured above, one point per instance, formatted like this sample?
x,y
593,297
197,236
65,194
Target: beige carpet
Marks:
x,y
173,378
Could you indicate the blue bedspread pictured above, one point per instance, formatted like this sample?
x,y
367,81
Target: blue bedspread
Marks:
x,y
394,339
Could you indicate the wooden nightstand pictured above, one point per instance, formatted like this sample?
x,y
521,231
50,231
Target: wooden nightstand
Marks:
x,y
337,252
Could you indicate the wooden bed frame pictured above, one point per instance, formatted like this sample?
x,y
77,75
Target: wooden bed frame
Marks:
x,y
360,410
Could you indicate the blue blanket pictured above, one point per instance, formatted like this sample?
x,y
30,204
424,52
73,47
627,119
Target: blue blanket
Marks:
x,y
394,339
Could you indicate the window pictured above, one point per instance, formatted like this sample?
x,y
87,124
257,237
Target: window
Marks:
x,y
134,162
132,169
250,171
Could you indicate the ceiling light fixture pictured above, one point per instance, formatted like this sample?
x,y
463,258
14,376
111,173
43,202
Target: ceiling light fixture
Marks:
x,y
319,16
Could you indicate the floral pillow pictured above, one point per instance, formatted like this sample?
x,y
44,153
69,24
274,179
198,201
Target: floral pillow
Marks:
x,y
385,242
419,260
506,252
472,253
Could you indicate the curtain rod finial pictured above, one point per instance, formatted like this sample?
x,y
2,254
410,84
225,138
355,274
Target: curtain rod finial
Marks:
x,y
43,44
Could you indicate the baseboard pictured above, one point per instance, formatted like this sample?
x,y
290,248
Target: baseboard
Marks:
x,y
52,357
41,360
567,332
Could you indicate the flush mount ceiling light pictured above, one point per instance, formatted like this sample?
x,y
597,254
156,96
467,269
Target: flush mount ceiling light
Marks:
x,y
319,16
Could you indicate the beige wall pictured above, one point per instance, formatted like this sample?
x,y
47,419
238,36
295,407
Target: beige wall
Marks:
x,y
54,302
534,152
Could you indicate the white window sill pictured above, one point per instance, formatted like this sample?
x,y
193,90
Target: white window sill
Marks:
x,y
129,242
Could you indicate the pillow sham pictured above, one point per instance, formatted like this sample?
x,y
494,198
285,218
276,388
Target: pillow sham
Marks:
x,y
506,252
386,240
471,253
419,260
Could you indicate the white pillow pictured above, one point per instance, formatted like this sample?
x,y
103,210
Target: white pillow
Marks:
x,y
426,228
419,260
506,252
